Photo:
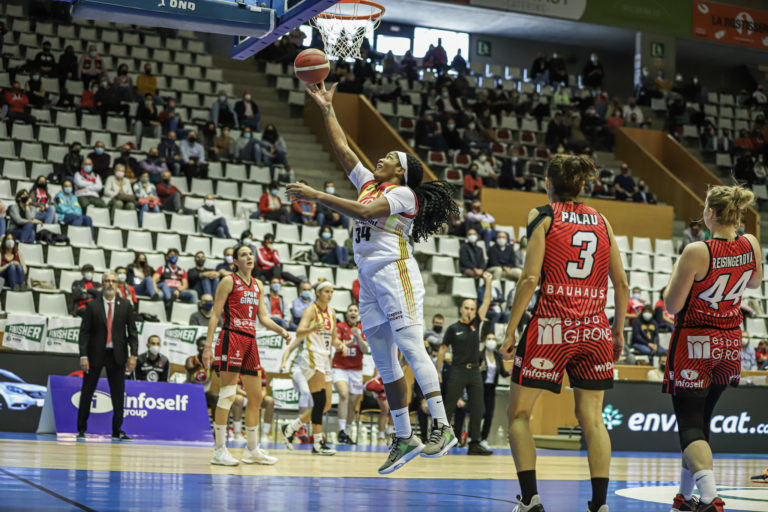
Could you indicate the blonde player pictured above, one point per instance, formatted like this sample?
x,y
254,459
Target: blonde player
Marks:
x,y
318,329
393,208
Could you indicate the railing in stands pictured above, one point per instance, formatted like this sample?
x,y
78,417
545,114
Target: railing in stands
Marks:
x,y
675,175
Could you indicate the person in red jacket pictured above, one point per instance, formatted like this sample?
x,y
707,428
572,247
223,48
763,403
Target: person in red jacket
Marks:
x,y
268,264
18,101
270,205
124,289
472,184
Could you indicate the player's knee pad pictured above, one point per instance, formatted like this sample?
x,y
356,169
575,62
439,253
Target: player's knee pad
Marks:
x,y
227,396
318,397
690,420
690,434
409,341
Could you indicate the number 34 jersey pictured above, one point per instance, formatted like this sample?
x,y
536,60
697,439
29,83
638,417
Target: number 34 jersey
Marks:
x,y
385,239
574,275
715,300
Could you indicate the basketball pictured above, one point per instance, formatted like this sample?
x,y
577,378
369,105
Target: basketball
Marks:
x,y
311,66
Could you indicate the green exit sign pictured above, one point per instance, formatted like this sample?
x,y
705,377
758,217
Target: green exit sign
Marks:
x,y
483,48
657,50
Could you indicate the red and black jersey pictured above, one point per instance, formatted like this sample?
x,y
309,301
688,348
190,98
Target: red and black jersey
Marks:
x,y
574,275
354,358
242,307
715,300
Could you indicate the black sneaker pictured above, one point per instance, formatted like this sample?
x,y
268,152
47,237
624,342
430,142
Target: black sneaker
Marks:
x,y
478,449
81,434
344,438
288,435
120,436
322,449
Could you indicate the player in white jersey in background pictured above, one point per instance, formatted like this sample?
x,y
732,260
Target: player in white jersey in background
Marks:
x,y
393,208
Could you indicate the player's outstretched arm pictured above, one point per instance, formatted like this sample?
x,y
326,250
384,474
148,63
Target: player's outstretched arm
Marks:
x,y
324,99
373,210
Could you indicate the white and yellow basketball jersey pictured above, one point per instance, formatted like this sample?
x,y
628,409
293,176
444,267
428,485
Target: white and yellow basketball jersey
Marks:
x,y
318,343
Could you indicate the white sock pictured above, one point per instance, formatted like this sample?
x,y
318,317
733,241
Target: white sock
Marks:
x,y
437,409
238,426
295,424
381,435
220,432
389,429
705,481
686,483
318,438
252,437
402,422
342,425
267,428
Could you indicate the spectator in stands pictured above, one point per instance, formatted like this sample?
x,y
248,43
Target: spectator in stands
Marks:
x,y
448,105
88,186
247,112
539,71
645,334
147,119
328,251
154,166
487,171
139,275
471,257
635,304
46,211
663,318
270,205
147,82
593,72
693,233
513,174
107,99
208,140
91,66
170,119
68,207
743,142
642,195
193,163
170,196
496,312
303,212
12,266
558,73
169,152
101,159
203,280
198,373
557,131
17,103
124,289
760,169
248,147
152,366
748,354
67,67
744,169
276,305
302,302
502,261
274,149
228,265
35,90
761,353
84,290
632,108
146,195
458,63
427,133
171,280
268,264
203,314
22,218
472,183
124,83
482,222
87,102
624,184
118,191
222,114
226,146
614,122
477,139
45,61
211,220
327,216
132,168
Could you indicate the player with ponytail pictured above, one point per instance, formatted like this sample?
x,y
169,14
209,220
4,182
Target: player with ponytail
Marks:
x,y
393,209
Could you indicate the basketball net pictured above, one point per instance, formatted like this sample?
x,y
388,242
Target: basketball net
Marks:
x,y
344,26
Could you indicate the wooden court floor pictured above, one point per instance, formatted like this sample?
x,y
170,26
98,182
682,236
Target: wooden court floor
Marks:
x,y
45,473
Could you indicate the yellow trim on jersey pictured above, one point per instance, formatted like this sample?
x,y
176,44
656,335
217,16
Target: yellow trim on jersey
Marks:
x,y
405,281
310,354
402,244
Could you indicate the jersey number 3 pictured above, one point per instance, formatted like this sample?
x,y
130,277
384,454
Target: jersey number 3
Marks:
x,y
361,233
582,268
716,293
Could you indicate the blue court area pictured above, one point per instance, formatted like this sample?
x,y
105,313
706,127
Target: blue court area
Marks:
x,y
40,489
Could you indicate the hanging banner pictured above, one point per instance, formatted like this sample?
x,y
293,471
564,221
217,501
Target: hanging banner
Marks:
x,y
285,394
570,9
62,335
730,24
179,342
271,348
24,332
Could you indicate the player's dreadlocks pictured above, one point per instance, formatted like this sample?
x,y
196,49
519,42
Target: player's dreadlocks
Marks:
x,y
435,199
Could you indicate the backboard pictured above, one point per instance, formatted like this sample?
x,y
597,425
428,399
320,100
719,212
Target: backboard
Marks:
x,y
253,24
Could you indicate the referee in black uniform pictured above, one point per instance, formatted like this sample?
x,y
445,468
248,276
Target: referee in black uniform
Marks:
x,y
464,339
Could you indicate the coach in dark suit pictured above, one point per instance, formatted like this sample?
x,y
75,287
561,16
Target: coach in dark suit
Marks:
x,y
106,333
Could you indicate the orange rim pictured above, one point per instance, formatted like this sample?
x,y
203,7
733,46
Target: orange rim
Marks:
x,y
370,3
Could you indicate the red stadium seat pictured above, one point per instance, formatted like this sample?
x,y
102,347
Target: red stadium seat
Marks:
x,y
461,160
542,153
406,125
528,138
437,158
504,135
453,176
498,149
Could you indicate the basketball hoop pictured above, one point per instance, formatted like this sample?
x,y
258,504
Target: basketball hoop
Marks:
x,y
344,26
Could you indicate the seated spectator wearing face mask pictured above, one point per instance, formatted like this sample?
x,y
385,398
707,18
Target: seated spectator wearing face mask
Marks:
x,y
68,208
35,90
124,289
642,195
140,277
693,233
502,261
193,163
748,355
147,120
303,211
328,250
433,338
12,266
222,114
276,306
248,112
635,304
170,154
22,218
202,279
271,206
664,319
472,183
146,195
118,191
101,160
482,222
487,171
228,266
327,216
645,334
301,302
226,146
154,165
211,220
172,280
513,174
471,258
204,309
88,186
84,290
152,366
